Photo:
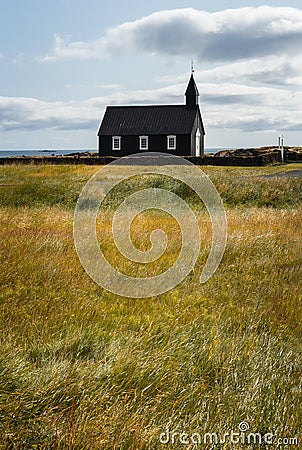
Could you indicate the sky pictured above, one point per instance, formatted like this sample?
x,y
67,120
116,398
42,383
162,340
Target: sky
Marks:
x,y
63,61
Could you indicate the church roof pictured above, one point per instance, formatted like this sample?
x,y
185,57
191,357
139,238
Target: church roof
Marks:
x,y
148,120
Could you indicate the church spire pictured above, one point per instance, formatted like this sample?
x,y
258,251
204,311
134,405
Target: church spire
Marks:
x,y
192,93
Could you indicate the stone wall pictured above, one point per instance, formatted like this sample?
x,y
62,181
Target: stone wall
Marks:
x,y
230,159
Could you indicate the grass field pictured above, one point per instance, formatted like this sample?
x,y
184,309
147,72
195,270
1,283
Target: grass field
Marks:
x,y
81,368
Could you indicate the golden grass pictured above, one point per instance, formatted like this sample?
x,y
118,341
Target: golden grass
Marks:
x,y
81,368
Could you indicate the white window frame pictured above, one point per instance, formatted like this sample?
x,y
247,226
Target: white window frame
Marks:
x,y
197,143
141,139
173,147
116,138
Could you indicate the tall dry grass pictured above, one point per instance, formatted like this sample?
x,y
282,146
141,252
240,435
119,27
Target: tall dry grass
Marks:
x,y
81,368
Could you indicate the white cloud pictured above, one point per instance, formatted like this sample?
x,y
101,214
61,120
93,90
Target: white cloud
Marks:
x,y
227,35
252,79
228,105
255,74
265,71
62,49
18,113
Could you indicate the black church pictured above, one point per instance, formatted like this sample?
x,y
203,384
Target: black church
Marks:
x,y
176,129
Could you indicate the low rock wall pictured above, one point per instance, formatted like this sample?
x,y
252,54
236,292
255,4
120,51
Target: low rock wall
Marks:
x,y
260,159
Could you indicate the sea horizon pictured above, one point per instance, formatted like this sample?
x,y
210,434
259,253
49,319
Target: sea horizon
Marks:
x,y
4,153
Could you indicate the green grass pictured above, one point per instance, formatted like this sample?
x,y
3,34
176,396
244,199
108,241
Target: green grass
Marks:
x,y
37,186
81,368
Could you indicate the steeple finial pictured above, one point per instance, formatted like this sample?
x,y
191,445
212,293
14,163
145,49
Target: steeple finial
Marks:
x,y
192,66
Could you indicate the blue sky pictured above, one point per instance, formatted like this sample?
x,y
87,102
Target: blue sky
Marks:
x,y
63,61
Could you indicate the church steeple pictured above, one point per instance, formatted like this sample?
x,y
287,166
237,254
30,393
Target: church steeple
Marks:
x,y
192,94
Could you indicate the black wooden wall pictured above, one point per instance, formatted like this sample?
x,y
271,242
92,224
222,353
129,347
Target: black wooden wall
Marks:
x,y
156,143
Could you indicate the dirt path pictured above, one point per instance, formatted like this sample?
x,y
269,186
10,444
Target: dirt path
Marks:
x,y
289,174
